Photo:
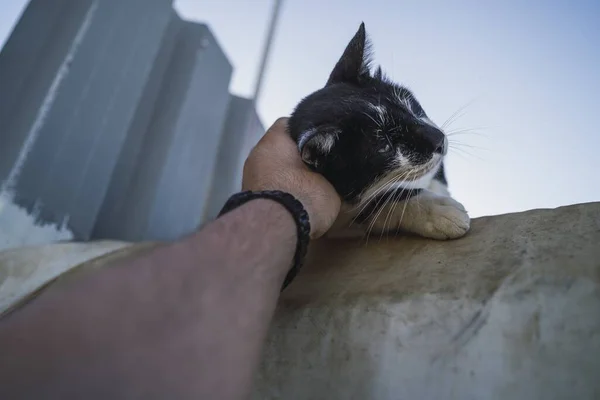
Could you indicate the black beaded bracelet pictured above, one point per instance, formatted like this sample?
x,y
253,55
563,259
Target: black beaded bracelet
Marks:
x,y
295,208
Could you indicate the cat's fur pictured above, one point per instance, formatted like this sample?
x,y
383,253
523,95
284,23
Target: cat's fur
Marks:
x,y
374,142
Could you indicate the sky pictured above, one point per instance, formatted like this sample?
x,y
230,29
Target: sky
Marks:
x,y
526,76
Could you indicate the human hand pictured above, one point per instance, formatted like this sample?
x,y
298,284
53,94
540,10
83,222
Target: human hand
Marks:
x,y
275,164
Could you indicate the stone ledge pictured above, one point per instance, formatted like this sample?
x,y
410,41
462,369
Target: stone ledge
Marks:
x,y
511,311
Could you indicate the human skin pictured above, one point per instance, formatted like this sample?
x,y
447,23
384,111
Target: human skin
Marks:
x,y
186,319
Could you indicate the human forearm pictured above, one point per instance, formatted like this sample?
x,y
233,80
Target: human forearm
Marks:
x,y
185,320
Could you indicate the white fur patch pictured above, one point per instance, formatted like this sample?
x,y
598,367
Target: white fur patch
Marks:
x,y
438,187
421,183
425,180
323,142
402,159
385,183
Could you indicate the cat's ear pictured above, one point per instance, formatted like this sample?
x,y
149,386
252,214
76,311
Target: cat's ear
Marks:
x,y
378,74
353,66
316,144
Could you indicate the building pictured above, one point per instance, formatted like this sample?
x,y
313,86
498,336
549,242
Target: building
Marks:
x,y
117,122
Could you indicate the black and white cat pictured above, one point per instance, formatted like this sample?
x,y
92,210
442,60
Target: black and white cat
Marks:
x,y
372,140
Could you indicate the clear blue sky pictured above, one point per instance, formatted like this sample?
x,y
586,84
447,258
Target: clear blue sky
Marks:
x,y
530,71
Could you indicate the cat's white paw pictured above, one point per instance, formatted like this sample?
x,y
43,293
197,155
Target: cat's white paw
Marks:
x,y
442,218
428,214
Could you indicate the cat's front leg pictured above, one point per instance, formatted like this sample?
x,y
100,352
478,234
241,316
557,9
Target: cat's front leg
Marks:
x,y
427,214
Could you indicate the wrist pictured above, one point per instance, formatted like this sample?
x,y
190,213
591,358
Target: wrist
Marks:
x,y
260,234
295,210
275,216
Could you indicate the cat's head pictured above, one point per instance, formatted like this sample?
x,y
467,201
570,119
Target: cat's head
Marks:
x,y
364,132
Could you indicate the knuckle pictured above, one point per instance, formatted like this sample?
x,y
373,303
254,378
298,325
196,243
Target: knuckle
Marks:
x,y
279,126
280,123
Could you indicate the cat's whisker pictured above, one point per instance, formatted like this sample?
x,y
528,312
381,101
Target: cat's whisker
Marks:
x,y
364,203
383,188
466,131
393,210
389,196
380,209
461,156
373,119
403,210
465,152
455,143
377,211
461,146
455,115
449,121
397,196
390,213
367,203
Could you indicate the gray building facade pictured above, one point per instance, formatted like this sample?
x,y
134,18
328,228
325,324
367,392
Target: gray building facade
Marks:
x,y
116,122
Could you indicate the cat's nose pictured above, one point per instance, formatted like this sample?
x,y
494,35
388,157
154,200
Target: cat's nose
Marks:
x,y
434,137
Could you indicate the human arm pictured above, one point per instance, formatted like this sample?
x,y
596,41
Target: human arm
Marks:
x,y
183,320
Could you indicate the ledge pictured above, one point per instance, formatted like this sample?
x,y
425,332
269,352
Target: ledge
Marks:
x,y
510,311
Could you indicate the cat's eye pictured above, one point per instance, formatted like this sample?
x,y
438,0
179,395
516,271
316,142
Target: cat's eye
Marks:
x,y
387,146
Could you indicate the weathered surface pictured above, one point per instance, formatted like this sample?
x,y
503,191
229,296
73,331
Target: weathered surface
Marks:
x,y
26,270
511,311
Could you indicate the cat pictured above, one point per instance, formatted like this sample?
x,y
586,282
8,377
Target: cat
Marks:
x,y
372,140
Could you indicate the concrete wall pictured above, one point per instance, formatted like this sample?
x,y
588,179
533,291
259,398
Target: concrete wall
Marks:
x,y
510,311
112,117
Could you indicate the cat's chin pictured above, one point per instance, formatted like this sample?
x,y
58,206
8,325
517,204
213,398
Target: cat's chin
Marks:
x,y
422,176
389,185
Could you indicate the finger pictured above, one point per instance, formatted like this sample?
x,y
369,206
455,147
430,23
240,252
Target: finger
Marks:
x,y
279,128
278,144
280,124
278,135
